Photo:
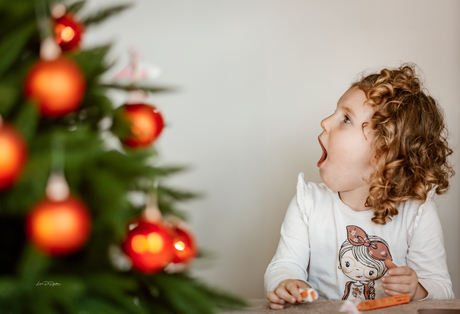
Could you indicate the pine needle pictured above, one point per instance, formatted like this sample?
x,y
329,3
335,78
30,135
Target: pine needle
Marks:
x,y
104,14
131,87
76,6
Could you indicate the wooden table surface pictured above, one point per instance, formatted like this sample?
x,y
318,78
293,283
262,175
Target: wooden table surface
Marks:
x,y
322,307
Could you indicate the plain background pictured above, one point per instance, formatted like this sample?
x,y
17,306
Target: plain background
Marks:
x,y
254,79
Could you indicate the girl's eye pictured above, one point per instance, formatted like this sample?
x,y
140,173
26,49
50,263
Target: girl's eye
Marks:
x,y
347,264
346,120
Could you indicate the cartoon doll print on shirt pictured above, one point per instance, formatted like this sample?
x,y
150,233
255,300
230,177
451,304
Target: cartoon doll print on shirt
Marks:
x,y
361,258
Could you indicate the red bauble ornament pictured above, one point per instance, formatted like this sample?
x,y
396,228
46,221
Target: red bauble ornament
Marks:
x,y
58,86
146,124
184,246
150,246
13,155
59,227
68,32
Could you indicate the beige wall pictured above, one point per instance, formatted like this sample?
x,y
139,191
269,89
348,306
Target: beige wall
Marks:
x,y
256,77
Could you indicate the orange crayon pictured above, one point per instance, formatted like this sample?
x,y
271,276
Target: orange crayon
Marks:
x,y
383,302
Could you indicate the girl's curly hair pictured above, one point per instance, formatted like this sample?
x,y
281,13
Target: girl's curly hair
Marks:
x,y
410,141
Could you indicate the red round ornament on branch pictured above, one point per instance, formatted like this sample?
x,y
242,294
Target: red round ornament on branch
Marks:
x,y
13,155
150,246
184,246
59,227
68,32
58,86
146,124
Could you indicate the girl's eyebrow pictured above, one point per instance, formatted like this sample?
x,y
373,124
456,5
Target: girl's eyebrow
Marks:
x,y
350,111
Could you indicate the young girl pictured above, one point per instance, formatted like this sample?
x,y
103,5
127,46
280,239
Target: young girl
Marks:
x,y
384,156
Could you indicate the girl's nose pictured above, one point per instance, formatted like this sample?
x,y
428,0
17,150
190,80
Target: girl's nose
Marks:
x,y
323,124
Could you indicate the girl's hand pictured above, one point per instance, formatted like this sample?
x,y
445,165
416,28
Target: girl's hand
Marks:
x,y
402,280
287,291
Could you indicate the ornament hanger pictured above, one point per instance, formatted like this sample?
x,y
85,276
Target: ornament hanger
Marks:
x,y
43,21
152,211
58,10
49,49
57,188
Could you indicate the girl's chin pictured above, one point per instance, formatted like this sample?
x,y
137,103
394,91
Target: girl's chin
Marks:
x,y
329,183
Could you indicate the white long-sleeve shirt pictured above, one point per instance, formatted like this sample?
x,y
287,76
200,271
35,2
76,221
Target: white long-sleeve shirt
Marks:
x,y
334,248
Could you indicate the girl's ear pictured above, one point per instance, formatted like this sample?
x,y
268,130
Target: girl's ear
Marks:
x,y
374,160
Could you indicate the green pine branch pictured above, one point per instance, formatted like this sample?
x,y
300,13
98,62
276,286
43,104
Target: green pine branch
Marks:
x,y
92,62
12,87
133,87
189,296
177,195
168,209
10,95
103,14
168,197
27,120
118,290
76,6
12,45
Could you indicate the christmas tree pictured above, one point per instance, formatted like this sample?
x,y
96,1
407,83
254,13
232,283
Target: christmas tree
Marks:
x,y
75,240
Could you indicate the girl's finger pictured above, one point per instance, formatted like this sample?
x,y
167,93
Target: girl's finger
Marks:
x,y
304,285
398,288
400,271
293,289
404,280
392,293
273,298
275,306
283,294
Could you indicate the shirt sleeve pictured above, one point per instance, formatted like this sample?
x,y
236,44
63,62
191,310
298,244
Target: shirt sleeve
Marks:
x,y
293,253
427,256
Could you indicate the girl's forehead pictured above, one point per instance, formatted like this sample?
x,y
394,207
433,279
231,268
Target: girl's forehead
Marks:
x,y
354,97
356,105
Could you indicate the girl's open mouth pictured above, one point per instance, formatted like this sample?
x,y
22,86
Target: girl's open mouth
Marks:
x,y
324,156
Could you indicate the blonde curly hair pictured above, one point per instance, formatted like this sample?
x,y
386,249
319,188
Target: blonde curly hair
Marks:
x,y
409,143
